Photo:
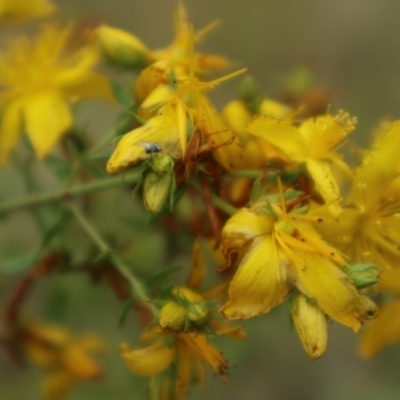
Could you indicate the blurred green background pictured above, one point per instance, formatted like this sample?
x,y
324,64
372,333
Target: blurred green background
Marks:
x,y
353,49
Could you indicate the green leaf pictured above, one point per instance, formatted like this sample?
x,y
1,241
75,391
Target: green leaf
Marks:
x,y
122,95
18,264
161,276
61,168
167,292
125,309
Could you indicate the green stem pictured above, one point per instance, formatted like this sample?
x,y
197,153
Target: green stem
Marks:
x,y
137,287
217,201
75,191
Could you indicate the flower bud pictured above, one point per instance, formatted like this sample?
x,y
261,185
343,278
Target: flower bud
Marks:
x,y
363,275
122,47
198,313
311,325
162,164
172,316
156,190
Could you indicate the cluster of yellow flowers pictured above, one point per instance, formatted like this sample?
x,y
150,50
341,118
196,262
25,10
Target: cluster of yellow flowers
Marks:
x,y
279,225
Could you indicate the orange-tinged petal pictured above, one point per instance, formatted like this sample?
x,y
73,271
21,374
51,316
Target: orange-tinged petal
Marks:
x,y
10,129
150,360
325,185
47,117
382,331
200,348
331,290
199,267
79,363
281,134
184,371
57,384
260,282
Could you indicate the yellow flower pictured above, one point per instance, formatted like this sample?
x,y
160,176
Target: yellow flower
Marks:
x,y
66,359
283,250
20,10
369,229
39,80
313,144
178,357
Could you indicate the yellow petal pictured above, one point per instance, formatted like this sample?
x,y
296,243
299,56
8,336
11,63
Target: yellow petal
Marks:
x,y
382,331
325,185
93,86
19,10
260,282
274,109
331,290
150,360
161,130
311,325
237,117
47,117
244,226
10,129
281,134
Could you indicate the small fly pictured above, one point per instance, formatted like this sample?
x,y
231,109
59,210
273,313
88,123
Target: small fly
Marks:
x,y
151,148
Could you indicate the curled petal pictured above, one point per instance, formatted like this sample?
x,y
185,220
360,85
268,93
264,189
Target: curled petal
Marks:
x,y
150,360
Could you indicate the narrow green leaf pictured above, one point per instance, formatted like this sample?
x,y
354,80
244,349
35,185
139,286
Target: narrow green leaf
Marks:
x,y
125,309
161,276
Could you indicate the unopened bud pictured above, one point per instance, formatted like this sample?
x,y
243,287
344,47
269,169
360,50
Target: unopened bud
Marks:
x,y
311,325
156,190
363,275
172,316
122,47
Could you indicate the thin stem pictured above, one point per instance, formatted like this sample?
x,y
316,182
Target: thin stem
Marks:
x,y
217,201
137,287
75,191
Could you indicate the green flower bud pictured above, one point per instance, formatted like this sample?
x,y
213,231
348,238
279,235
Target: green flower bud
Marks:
x,y
363,275
156,191
162,164
198,313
